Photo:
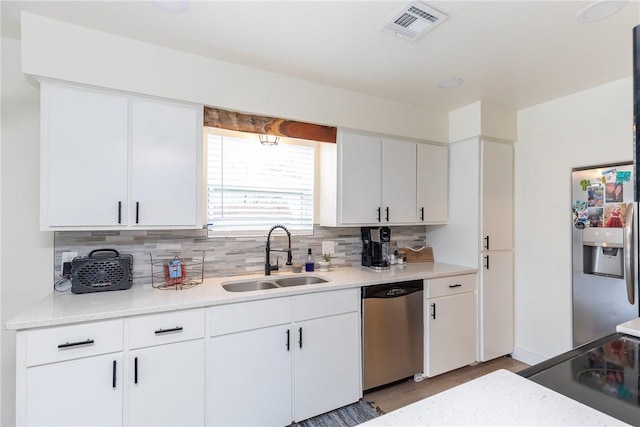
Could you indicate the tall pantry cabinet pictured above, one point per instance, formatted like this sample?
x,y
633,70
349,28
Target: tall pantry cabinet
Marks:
x,y
480,233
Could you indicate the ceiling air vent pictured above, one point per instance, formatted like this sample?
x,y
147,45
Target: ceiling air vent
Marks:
x,y
413,21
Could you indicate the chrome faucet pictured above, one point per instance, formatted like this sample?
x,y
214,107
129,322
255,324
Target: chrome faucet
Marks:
x,y
268,268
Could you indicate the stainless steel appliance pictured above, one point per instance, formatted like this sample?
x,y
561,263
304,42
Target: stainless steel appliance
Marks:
x,y
603,374
605,285
392,332
375,246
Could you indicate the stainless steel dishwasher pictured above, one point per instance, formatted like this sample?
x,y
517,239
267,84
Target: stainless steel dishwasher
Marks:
x,y
392,332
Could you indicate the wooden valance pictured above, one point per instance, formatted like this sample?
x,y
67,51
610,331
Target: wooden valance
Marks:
x,y
223,119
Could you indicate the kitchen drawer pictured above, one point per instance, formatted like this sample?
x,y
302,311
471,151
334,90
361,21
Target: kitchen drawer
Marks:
x,y
74,341
312,306
227,319
452,285
166,328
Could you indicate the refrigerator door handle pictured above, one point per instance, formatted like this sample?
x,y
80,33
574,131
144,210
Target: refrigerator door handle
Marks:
x,y
629,254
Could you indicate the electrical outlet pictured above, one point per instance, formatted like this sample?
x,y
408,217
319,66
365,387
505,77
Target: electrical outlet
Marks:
x,y
328,247
67,257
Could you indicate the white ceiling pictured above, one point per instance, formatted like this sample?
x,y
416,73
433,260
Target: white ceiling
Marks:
x,y
510,53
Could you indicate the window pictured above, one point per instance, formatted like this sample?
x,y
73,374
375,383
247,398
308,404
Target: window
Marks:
x,y
251,187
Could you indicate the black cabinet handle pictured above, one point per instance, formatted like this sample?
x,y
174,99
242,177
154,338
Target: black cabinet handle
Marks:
x,y
300,337
168,331
137,212
457,285
421,214
387,213
75,344
433,310
113,378
288,339
486,242
119,212
486,262
378,213
135,370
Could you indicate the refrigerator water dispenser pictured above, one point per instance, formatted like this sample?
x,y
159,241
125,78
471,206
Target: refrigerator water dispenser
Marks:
x,y
603,251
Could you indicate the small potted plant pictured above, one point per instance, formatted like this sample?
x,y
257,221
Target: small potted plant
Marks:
x,y
325,263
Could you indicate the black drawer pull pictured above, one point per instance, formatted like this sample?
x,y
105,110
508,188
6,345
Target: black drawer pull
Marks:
x,y
421,214
288,339
378,214
457,285
113,378
119,212
387,213
300,335
169,331
75,344
433,313
137,212
135,370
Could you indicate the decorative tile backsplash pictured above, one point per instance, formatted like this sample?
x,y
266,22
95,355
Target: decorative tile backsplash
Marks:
x,y
228,256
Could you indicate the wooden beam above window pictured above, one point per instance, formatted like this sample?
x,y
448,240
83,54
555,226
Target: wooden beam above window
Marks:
x,y
223,119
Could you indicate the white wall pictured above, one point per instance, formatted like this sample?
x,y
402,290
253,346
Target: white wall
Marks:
x,y
62,51
27,252
586,128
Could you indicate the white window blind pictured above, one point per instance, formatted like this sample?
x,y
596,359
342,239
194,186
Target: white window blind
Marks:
x,y
251,187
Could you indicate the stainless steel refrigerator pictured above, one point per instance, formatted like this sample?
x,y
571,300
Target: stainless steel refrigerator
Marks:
x,y
605,255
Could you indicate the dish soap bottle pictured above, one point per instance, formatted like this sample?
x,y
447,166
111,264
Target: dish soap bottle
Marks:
x,y
308,266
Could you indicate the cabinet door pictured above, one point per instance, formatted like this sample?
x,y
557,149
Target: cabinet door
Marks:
x,y
359,165
166,385
398,182
450,334
495,304
83,158
432,183
250,378
83,392
327,364
497,196
165,165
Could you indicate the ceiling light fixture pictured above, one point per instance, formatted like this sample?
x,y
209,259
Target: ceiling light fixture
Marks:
x,y
172,6
600,10
450,83
269,139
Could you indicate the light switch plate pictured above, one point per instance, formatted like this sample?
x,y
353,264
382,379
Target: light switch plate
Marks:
x,y
328,247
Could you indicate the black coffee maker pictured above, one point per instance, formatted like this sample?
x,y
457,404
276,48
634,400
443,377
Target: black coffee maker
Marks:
x,y
375,243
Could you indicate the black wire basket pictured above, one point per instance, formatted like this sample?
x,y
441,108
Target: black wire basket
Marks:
x,y
177,272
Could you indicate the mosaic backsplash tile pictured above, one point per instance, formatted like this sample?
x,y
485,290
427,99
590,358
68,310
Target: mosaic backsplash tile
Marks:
x,y
228,256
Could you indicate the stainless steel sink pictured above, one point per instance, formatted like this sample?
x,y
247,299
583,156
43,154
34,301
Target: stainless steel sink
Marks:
x,y
271,283
300,280
256,285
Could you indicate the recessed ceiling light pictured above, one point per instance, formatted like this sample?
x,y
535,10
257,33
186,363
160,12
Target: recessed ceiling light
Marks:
x,y
599,10
172,6
450,83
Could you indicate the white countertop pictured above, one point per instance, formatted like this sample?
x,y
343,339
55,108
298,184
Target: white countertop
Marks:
x,y
64,308
632,327
498,398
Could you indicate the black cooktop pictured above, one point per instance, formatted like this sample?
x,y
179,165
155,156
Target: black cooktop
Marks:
x,y
603,374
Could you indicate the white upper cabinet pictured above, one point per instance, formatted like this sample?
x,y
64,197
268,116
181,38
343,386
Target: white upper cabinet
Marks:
x,y
373,180
83,157
398,197
164,155
113,161
433,183
360,160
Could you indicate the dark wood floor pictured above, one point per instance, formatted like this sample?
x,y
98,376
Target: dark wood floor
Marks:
x,y
409,391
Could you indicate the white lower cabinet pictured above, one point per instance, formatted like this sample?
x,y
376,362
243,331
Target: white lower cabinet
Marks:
x,y
165,381
79,392
450,324
282,360
86,374
70,375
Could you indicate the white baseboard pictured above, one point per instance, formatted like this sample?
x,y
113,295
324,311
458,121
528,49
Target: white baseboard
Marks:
x,y
526,356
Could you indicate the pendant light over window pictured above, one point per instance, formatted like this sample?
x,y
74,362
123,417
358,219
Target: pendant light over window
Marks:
x,y
269,139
